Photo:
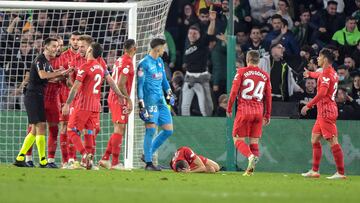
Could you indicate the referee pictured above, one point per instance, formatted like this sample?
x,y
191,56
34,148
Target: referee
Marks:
x,y
40,72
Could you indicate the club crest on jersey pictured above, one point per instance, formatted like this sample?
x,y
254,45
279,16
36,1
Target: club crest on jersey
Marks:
x,y
157,76
325,80
160,65
126,70
80,73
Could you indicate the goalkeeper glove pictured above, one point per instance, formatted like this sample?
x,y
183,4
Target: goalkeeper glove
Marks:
x,y
170,98
143,113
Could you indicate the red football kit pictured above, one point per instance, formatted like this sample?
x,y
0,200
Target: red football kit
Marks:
x,y
122,66
327,85
186,154
87,105
252,87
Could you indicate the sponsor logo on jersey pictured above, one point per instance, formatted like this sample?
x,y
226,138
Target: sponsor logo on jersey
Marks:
x,y
157,76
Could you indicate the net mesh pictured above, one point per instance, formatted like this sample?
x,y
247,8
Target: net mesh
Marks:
x,y
22,31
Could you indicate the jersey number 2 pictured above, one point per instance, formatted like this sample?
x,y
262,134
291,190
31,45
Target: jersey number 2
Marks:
x,y
257,91
97,83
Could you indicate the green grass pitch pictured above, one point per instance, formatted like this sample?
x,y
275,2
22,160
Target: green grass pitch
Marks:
x,y
25,185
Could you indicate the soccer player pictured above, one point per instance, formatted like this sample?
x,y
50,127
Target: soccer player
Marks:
x,y
88,85
65,59
151,80
185,160
327,112
123,75
252,88
52,106
40,72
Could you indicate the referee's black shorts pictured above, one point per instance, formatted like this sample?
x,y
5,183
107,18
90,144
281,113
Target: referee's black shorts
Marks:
x,y
35,107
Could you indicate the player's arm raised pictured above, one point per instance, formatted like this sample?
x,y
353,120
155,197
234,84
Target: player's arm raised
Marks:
x,y
72,94
233,93
49,75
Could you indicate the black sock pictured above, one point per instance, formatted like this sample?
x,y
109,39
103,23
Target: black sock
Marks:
x,y
149,163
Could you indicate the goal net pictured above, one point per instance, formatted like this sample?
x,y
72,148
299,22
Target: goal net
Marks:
x,y
23,27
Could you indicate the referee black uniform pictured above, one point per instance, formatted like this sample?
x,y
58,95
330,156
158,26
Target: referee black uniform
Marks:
x,y
34,95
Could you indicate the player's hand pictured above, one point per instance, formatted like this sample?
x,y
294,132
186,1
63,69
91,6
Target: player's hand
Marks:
x,y
212,15
229,114
306,73
284,29
170,98
304,110
143,113
129,105
66,109
266,121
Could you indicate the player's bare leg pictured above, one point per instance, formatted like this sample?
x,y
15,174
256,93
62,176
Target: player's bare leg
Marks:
x,y
244,149
317,153
338,157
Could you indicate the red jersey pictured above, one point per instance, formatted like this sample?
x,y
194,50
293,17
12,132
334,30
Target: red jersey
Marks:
x,y
252,87
91,75
53,88
186,154
327,85
78,61
122,66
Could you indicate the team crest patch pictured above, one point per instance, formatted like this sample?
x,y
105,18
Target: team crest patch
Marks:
x,y
126,70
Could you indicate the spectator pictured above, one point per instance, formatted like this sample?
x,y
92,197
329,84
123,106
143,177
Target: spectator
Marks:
x,y
200,4
258,7
222,106
177,82
197,77
255,42
281,76
347,38
281,34
355,90
355,55
302,30
356,14
242,13
114,35
37,45
340,5
305,97
350,63
42,23
64,27
204,20
283,10
326,23
111,58
306,53
345,81
347,106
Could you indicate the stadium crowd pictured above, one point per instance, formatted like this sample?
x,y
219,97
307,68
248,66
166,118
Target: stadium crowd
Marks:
x,y
288,34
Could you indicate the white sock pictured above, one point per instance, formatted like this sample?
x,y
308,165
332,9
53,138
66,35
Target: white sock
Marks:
x,y
28,158
51,160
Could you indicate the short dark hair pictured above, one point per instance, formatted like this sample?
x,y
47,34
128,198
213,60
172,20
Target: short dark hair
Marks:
x,y
48,40
156,42
332,2
76,33
328,54
86,38
350,18
194,27
181,165
97,50
342,67
276,16
204,11
306,10
129,43
286,2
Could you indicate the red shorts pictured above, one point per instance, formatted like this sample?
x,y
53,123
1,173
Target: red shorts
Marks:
x,y
52,111
81,119
325,127
203,159
248,125
64,93
117,113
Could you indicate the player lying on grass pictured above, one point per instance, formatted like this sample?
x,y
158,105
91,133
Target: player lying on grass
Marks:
x,y
186,161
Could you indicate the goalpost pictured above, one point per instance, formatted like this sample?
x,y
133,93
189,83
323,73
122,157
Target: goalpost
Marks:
x,y
109,23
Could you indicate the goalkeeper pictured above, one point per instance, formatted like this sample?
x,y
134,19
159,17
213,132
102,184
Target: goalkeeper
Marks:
x,y
152,83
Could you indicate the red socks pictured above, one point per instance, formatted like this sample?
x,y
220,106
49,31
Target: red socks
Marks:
x,y
339,158
115,148
52,141
64,147
254,148
71,148
243,148
108,150
88,141
76,140
317,153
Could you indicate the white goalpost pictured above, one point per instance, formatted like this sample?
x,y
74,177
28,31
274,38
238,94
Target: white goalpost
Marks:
x,y
26,23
